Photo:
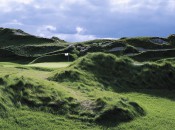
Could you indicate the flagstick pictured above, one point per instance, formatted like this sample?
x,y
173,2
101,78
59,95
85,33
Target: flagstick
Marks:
x,y
67,54
68,58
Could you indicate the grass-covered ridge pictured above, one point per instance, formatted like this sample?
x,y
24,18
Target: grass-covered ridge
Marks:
x,y
25,47
119,73
18,37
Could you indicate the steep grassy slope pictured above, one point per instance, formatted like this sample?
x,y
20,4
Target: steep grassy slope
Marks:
x,y
6,55
22,45
35,50
18,37
119,73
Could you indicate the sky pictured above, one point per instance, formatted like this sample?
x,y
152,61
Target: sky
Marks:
x,y
80,20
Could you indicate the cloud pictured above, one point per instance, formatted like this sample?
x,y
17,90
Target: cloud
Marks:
x,y
86,19
14,22
133,6
13,5
8,2
170,6
50,28
66,4
49,31
45,30
75,37
79,29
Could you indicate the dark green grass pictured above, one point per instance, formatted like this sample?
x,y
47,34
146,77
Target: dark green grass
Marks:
x,y
119,73
34,50
17,45
154,55
18,37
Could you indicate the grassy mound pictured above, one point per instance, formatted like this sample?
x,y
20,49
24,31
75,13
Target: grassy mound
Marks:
x,y
20,91
122,112
109,71
25,93
105,112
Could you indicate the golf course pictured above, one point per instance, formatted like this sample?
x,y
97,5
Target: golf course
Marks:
x,y
101,84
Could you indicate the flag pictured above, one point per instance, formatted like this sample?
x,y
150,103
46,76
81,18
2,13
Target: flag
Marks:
x,y
66,54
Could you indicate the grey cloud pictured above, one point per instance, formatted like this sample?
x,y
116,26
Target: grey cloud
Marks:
x,y
96,17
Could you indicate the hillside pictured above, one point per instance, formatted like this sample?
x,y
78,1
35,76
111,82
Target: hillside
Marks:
x,y
22,44
38,49
119,73
140,48
17,37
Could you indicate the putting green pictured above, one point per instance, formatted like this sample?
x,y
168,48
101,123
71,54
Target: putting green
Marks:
x,y
51,64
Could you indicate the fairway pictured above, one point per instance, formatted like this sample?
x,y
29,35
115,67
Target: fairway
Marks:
x,y
51,64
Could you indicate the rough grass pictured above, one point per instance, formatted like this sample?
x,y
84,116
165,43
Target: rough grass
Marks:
x,y
21,92
155,80
119,73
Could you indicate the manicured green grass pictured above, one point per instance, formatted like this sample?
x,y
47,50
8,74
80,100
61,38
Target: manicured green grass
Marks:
x,y
160,111
51,64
